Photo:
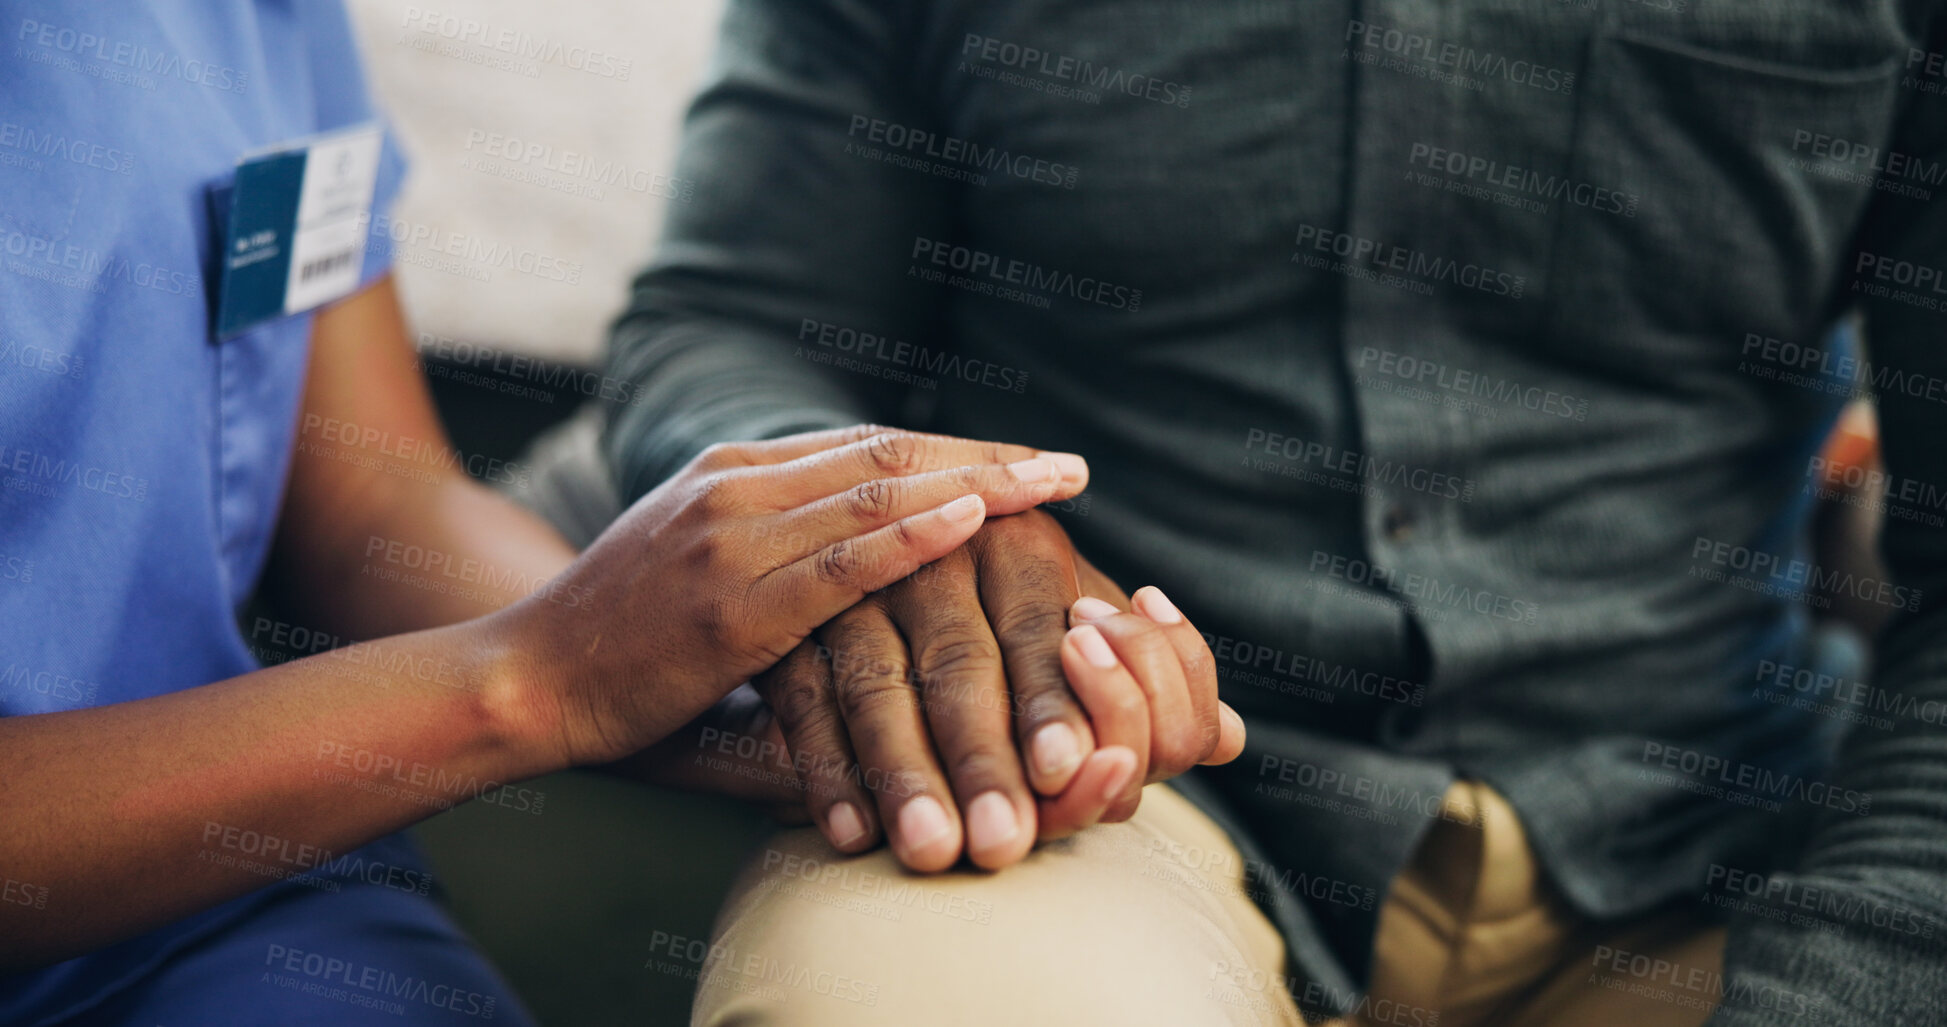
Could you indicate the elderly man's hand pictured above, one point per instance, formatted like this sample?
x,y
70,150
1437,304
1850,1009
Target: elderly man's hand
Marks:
x,y
1004,693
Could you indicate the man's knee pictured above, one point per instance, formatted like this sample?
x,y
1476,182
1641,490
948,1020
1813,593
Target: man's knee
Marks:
x,y
812,937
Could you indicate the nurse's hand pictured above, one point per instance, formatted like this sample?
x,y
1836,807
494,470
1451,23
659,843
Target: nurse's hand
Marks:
x,y
726,567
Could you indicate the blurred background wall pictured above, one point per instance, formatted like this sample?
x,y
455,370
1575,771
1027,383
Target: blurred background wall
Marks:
x,y
598,85
541,138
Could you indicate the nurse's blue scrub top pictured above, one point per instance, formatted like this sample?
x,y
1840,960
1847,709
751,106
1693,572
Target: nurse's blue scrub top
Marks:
x,y
142,466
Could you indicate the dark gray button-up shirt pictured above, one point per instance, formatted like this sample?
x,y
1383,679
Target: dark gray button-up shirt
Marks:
x,y
1459,368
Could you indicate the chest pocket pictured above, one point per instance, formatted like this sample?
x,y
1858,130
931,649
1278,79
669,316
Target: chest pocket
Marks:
x,y
1727,134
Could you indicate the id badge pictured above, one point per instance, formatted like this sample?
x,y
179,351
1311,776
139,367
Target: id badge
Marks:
x,y
297,214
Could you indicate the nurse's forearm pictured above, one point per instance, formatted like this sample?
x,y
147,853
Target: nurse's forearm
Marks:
x,y
382,531
434,556
121,818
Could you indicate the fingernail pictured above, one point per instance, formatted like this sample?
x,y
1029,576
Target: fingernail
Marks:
x,y
1095,649
1070,465
1091,608
1125,766
1157,606
1035,470
1229,716
1055,750
991,822
966,508
922,822
845,824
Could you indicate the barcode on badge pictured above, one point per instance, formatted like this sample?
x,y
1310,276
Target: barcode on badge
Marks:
x,y
325,265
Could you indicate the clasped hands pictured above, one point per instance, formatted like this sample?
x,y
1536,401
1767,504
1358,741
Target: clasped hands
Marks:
x,y
1005,693
955,685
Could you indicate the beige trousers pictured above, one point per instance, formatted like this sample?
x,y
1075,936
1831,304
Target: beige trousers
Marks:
x,y
1151,922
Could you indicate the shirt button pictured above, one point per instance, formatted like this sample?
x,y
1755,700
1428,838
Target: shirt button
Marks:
x,y
1397,523
1400,724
